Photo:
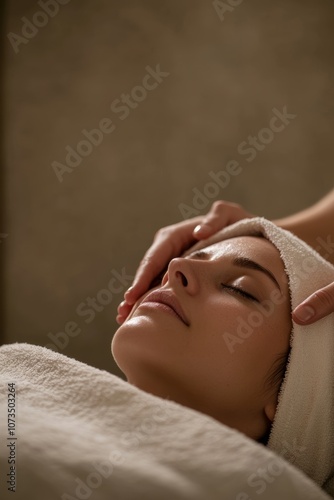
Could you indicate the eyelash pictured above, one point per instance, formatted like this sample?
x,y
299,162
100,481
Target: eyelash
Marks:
x,y
239,291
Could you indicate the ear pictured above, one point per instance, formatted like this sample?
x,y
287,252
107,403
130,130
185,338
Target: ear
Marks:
x,y
270,410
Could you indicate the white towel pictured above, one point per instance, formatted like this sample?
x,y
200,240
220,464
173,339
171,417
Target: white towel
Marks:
x,y
83,433
305,413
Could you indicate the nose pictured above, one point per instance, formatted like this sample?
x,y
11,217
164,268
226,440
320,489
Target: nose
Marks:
x,y
181,274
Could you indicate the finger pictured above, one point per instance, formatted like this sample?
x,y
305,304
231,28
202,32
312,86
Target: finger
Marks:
x,y
124,308
169,243
221,214
120,319
149,267
123,312
204,230
213,221
315,307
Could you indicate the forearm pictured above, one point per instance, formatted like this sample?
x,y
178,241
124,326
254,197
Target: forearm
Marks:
x,y
314,225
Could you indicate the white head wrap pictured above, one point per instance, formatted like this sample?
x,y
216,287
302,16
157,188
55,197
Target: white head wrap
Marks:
x,y
303,427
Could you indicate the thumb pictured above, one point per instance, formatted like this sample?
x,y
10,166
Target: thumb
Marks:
x,y
315,307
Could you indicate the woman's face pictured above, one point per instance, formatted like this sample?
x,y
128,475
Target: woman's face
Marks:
x,y
209,336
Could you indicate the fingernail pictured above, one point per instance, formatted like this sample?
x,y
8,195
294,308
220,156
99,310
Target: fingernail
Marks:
x,y
201,229
304,313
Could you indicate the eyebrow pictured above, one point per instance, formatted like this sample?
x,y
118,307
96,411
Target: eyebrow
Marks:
x,y
243,262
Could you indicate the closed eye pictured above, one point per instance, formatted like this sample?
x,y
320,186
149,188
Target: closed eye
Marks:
x,y
239,291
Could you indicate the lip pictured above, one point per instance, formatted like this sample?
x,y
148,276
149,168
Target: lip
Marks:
x,y
167,298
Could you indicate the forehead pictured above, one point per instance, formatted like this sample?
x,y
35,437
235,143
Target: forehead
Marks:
x,y
243,242
253,247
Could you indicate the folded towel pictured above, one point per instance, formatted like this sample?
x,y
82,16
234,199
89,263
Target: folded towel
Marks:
x,y
305,412
83,433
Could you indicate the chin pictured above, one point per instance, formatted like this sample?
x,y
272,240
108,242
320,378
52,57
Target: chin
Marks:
x,y
128,344
116,348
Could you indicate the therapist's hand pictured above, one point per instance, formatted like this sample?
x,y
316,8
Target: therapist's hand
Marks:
x,y
317,306
171,241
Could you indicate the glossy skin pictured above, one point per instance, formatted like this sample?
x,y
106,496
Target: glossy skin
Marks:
x,y
170,241
192,362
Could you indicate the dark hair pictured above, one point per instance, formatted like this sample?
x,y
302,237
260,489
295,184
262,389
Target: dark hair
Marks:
x,y
276,374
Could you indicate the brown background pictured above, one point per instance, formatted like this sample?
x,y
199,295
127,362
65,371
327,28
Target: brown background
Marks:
x,y
225,77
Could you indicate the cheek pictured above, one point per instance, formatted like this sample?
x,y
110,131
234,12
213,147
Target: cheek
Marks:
x,y
224,318
259,339
255,336
219,329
